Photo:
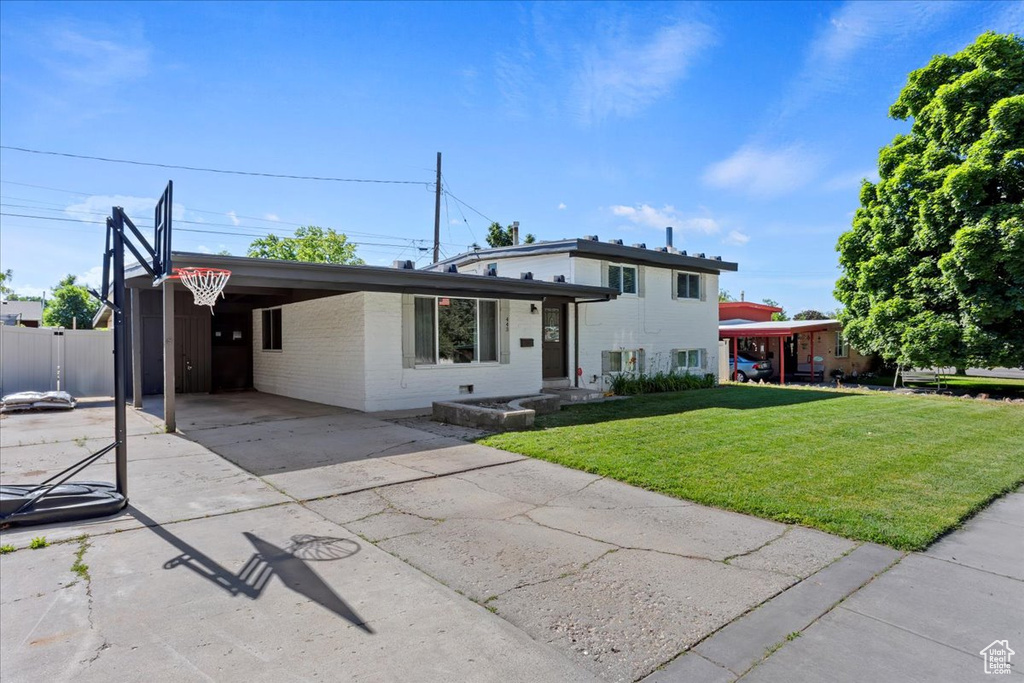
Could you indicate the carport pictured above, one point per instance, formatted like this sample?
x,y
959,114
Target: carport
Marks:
x,y
175,343
783,330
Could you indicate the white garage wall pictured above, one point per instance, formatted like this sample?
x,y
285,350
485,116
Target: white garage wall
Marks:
x,y
321,356
347,351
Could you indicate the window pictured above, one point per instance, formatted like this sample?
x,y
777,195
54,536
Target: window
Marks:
x,y
272,329
621,361
687,286
622,278
842,346
450,331
689,359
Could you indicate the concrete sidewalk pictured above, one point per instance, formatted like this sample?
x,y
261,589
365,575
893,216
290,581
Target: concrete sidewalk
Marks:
x,y
926,619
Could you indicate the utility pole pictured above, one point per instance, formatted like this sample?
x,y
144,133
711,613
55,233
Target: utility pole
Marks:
x,y
437,212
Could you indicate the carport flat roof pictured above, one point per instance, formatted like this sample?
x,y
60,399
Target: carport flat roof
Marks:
x,y
776,328
257,273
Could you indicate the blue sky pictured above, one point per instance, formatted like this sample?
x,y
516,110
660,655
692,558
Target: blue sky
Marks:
x,y
746,126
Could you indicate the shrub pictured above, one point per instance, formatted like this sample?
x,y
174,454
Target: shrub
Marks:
x,y
631,385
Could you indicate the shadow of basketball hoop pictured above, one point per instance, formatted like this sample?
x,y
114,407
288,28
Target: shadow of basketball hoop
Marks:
x,y
321,548
268,560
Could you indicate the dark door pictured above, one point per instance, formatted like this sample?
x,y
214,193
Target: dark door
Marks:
x,y
231,366
192,349
554,360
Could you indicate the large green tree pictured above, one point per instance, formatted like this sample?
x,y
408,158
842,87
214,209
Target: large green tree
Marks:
x,y
498,236
71,305
933,268
310,243
5,283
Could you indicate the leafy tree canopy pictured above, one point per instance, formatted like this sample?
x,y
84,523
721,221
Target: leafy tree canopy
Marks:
x,y
71,305
724,296
5,283
779,315
310,243
810,314
498,236
933,267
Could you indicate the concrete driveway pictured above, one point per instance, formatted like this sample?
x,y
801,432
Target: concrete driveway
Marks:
x,y
329,543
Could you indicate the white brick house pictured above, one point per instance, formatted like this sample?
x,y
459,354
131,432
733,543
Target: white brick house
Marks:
x,y
361,337
665,317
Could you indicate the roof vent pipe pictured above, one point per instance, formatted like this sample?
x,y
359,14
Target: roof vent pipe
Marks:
x,y
590,238
515,232
404,265
525,276
668,237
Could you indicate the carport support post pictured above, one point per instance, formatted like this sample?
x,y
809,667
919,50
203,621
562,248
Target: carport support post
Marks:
x,y
136,309
782,360
170,423
812,359
735,359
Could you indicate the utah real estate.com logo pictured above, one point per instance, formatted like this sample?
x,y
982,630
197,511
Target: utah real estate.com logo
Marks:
x,y
997,657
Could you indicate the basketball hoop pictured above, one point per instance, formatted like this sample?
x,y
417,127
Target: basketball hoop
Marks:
x,y
204,283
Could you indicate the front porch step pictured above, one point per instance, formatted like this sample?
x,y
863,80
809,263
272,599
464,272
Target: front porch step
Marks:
x,y
574,395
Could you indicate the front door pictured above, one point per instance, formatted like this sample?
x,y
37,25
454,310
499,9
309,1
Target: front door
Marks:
x,y
192,349
554,341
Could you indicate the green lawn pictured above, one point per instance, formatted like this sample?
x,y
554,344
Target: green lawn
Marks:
x,y
900,470
958,384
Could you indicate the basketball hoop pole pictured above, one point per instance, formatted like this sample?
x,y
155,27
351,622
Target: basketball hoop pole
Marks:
x,y
120,407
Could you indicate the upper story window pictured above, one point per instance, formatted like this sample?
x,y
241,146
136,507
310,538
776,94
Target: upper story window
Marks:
x,y
688,286
622,278
455,331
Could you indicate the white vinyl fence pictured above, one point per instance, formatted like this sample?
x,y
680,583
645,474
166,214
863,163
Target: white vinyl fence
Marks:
x,y
33,359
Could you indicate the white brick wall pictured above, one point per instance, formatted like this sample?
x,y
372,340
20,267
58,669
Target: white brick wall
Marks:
x,y
347,351
321,356
389,386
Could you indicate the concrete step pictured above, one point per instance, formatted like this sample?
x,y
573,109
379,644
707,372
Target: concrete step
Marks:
x,y
574,395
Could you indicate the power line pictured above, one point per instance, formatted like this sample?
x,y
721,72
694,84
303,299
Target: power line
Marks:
x,y
64,208
215,170
468,206
196,230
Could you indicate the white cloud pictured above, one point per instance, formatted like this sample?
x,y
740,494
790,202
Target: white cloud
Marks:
x,y
139,209
849,181
764,172
561,206
647,216
92,277
736,238
203,249
859,34
29,290
96,61
234,217
622,74
272,217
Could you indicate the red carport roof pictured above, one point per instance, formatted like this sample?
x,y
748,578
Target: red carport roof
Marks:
x,y
776,328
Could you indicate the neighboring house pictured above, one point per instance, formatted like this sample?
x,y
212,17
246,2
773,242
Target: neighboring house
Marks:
x,y
363,337
790,344
25,313
664,318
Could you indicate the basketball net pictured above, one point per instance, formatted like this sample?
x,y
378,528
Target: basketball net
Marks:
x,y
204,283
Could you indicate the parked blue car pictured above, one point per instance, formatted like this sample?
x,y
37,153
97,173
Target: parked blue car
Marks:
x,y
750,368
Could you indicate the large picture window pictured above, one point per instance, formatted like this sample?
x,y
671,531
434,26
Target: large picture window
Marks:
x,y
272,329
687,286
452,331
622,278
